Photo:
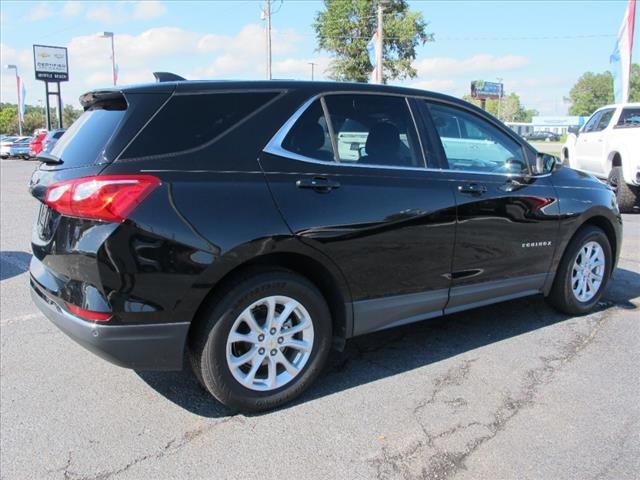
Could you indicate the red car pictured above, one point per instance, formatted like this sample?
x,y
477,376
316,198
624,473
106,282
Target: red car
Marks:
x,y
35,147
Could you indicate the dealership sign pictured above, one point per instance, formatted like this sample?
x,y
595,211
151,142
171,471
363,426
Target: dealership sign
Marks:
x,y
482,89
50,63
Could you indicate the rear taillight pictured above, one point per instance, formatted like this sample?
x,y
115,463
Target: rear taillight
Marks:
x,y
109,198
88,314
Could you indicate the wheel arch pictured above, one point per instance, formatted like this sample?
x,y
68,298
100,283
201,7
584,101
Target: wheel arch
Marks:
x,y
327,280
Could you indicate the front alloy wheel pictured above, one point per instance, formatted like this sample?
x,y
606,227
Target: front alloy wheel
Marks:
x,y
583,272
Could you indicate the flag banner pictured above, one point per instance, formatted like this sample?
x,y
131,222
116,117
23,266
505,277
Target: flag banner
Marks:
x,y
620,59
116,71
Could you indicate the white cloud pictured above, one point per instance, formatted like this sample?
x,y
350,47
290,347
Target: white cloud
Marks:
x,y
106,14
147,9
72,8
448,66
40,12
300,69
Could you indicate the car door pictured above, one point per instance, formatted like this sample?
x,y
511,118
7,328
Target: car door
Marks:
x,y
348,174
585,144
507,218
595,141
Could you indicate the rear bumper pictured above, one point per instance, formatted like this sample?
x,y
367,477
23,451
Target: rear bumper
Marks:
x,y
141,347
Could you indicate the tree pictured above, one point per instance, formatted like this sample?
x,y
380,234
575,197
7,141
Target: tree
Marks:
x,y
70,115
345,27
508,109
634,90
8,119
591,91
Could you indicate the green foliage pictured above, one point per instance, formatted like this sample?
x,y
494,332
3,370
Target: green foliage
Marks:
x,y
34,118
508,109
345,27
8,119
591,91
634,91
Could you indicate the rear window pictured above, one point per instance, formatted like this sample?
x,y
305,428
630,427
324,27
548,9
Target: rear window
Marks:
x,y
84,142
630,117
191,121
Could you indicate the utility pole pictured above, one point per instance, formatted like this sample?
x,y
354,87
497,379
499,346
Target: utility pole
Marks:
x,y
312,65
379,46
500,97
267,17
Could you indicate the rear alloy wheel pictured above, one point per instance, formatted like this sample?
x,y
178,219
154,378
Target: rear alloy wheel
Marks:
x,y
264,341
583,272
626,195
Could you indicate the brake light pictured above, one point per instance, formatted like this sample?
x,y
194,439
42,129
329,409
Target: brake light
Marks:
x,y
88,314
109,198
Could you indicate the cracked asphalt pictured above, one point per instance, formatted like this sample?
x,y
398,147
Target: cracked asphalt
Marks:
x,y
511,391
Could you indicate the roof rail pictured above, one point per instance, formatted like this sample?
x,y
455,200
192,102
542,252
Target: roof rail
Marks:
x,y
167,77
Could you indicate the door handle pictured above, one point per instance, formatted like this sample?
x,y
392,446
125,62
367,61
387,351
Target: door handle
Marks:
x,y
319,184
472,188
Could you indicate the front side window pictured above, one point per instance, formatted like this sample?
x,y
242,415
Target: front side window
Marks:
x,y
592,122
471,143
604,120
374,130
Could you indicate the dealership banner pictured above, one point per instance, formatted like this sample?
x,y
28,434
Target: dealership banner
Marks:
x,y
620,59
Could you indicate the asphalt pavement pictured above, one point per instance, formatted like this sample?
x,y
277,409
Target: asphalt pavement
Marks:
x,y
511,391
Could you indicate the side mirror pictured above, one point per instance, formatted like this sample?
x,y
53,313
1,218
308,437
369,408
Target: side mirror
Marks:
x,y
545,163
573,129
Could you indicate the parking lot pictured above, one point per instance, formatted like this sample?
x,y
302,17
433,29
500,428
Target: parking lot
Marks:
x,y
515,390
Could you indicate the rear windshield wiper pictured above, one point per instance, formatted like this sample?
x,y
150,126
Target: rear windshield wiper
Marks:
x,y
48,159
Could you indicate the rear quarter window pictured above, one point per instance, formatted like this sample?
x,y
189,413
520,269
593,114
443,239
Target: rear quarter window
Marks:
x,y
191,121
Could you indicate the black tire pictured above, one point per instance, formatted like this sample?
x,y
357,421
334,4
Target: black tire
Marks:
x,y
209,338
626,195
561,296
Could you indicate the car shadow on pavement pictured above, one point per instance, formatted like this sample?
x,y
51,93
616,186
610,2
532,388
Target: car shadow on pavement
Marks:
x,y
390,352
13,263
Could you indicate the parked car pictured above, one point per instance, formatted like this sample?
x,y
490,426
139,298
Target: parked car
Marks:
x,y
5,144
257,232
51,139
607,146
35,147
20,148
545,135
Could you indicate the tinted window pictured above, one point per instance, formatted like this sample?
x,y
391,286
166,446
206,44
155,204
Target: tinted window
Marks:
x,y
309,136
374,130
471,143
84,142
190,121
592,122
604,120
630,117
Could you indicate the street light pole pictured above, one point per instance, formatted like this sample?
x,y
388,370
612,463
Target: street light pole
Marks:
x,y
500,97
113,53
267,18
15,68
312,65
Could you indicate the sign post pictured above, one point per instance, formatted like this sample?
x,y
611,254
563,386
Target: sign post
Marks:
x,y
51,66
483,90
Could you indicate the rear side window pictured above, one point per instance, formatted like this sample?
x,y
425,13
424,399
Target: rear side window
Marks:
x,y
191,121
309,137
83,143
630,117
374,130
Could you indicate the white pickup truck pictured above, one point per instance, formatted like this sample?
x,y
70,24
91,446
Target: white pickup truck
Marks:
x,y
608,146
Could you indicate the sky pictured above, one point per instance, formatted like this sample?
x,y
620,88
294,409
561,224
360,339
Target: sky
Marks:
x,y
539,48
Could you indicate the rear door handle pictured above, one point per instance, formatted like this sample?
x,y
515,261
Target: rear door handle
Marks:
x,y
472,188
319,184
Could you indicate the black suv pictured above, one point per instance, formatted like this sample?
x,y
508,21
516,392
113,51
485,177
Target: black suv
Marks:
x,y
254,225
